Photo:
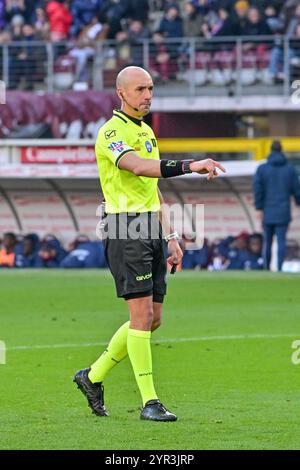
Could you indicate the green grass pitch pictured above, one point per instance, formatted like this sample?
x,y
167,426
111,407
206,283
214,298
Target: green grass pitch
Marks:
x,y
222,362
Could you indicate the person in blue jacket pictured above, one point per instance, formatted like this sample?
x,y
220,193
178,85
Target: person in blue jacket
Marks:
x,y
50,254
27,252
275,182
88,254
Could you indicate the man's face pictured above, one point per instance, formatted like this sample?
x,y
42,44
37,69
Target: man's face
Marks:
x,y
136,26
253,15
241,12
172,14
28,247
139,94
255,246
8,242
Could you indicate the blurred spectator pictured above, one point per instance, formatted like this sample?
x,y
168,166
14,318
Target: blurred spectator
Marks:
x,y
139,10
254,257
171,25
275,24
132,42
195,258
79,239
41,24
83,12
288,11
113,12
255,24
15,7
27,252
7,252
82,52
238,252
221,24
293,23
240,13
203,6
193,21
162,64
94,31
274,184
86,255
50,253
60,20
276,71
22,58
223,246
2,15
5,38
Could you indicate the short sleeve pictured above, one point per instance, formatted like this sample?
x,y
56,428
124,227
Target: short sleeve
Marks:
x,y
111,143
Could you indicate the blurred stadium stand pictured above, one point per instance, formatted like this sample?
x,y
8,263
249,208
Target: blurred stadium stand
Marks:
x,y
226,66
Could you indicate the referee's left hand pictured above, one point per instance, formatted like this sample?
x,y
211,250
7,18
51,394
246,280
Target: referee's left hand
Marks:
x,y
175,252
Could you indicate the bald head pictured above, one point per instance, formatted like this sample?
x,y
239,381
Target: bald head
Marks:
x,y
135,88
131,74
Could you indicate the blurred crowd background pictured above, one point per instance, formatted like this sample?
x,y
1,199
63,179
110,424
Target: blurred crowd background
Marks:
x,y
130,22
241,252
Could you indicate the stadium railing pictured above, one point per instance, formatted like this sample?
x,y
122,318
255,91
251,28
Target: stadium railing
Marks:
x,y
225,66
25,153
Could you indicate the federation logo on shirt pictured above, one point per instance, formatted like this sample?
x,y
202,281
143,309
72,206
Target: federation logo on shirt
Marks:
x,y
148,146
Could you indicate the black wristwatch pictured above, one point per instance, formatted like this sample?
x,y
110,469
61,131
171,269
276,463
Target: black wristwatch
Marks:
x,y
186,166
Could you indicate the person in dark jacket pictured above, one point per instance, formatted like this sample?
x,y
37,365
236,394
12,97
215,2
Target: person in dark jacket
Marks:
x,y
274,184
2,15
255,24
171,25
27,252
8,250
50,253
83,12
88,254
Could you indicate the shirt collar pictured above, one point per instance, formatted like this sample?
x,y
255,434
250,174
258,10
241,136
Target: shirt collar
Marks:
x,y
135,120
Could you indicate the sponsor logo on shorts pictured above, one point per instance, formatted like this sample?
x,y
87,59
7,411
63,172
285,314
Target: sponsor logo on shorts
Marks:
x,y
144,277
110,134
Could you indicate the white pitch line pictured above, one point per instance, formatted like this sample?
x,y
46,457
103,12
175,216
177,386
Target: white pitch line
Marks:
x,y
159,341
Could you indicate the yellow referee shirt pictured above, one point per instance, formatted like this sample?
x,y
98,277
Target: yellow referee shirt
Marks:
x,y
123,190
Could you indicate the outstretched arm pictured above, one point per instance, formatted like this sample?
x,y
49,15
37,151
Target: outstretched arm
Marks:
x,y
132,162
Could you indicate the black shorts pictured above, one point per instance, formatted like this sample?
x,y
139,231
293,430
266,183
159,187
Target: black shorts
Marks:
x,y
137,265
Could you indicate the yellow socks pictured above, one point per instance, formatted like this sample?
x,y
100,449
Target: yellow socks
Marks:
x,y
137,343
115,352
139,352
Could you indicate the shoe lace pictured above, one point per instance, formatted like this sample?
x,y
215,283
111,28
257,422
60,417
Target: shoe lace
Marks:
x,y
161,407
97,393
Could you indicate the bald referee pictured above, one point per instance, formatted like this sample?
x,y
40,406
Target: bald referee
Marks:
x,y
129,167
